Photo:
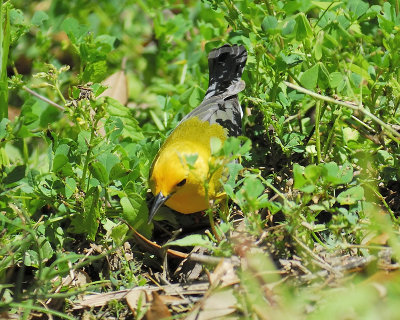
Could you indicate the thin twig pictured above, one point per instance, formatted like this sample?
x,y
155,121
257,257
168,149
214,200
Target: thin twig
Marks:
x,y
37,95
317,259
391,132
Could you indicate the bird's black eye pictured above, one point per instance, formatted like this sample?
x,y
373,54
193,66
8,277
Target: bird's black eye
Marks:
x,y
180,184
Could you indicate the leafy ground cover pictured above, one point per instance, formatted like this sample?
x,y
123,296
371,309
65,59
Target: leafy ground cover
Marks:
x,y
311,228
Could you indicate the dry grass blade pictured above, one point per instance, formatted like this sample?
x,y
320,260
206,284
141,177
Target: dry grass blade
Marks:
x,y
102,299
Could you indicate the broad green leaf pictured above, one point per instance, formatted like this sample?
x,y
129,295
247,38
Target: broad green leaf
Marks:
x,y
83,141
252,187
335,78
284,62
59,161
31,258
358,7
350,134
346,173
323,76
309,78
118,233
95,71
16,174
300,181
135,211
215,144
360,71
118,171
194,99
269,24
108,160
351,196
62,149
74,29
303,28
39,17
312,172
99,172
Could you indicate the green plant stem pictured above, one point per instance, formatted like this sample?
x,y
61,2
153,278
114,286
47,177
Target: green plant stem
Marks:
x,y
37,95
390,131
57,87
37,308
87,159
4,48
330,135
317,133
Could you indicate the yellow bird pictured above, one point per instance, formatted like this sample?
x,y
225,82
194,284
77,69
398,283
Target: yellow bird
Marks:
x,y
174,181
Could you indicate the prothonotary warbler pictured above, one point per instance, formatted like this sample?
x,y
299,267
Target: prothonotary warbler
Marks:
x,y
174,181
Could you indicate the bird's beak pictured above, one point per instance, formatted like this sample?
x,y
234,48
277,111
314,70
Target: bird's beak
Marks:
x,y
158,201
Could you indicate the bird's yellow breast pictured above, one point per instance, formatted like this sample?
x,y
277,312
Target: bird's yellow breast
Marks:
x,y
185,157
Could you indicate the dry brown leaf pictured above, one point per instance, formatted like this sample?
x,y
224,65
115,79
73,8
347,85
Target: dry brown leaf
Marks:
x,y
157,310
117,85
381,239
133,298
224,274
216,305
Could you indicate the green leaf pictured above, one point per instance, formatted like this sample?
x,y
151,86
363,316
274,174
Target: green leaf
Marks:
x,y
108,160
351,196
215,144
90,222
192,241
346,173
331,172
312,172
130,124
31,258
309,78
99,172
303,28
95,71
253,187
118,171
335,78
300,181
118,233
269,24
70,187
194,99
83,141
59,161
3,128
15,175
191,159
284,62
135,211
358,8
39,17
323,76
73,29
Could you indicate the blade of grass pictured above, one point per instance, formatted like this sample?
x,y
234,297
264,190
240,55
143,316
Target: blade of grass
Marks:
x,y
4,46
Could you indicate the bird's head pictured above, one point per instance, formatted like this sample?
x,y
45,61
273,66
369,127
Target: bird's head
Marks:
x,y
177,178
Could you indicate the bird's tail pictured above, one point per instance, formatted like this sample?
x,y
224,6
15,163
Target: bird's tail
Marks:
x,y
226,66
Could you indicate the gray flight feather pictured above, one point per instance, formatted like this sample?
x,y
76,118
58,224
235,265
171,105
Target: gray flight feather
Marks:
x,y
220,104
